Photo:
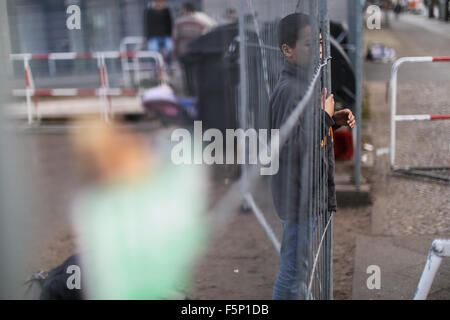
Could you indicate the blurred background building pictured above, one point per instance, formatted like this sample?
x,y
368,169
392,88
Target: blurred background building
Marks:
x,y
40,27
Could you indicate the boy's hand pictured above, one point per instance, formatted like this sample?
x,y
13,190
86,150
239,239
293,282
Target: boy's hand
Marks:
x,y
328,102
345,118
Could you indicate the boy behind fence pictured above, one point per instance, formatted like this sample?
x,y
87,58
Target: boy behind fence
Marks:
x,y
289,184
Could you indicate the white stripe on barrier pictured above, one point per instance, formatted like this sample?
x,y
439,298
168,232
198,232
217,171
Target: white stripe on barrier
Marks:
x,y
74,92
19,92
21,56
107,54
64,92
94,55
62,56
419,117
413,117
114,92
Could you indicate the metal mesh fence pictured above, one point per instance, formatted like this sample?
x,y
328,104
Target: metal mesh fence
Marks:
x,y
272,94
285,93
16,229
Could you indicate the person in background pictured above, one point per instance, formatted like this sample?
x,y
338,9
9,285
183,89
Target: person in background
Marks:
x,y
231,16
191,25
397,10
158,29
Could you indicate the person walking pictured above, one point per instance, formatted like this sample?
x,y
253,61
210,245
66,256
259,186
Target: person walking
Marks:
x,y
398,10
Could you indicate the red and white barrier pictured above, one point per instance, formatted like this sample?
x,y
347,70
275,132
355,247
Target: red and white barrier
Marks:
x,y
440,248
422,117
75,92
91,55
29,88
393,101
104,92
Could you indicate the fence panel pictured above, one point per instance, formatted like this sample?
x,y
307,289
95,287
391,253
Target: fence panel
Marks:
x,y
277,95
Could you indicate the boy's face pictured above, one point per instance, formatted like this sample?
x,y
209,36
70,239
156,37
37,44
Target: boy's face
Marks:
x,y
300,55
159,4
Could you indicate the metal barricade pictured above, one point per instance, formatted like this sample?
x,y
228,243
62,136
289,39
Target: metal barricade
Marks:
x,y
439,249
131,68
104,92
429,172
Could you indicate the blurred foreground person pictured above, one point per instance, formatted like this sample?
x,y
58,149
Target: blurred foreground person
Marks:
x,y
140,227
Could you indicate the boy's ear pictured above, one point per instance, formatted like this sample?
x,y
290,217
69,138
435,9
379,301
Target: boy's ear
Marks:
x,y
287,51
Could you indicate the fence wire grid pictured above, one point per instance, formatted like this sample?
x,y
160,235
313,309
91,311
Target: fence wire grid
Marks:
x,y
301,188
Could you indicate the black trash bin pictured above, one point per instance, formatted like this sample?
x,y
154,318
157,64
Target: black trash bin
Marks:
x,y
213,78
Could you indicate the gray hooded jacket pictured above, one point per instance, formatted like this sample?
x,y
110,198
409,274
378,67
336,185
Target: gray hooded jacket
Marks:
x,y
293,187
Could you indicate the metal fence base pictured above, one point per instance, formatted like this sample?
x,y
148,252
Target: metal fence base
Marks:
x,y
440,248
426,172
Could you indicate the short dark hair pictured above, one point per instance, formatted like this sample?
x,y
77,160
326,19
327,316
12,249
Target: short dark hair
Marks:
x,y
189,6
289,29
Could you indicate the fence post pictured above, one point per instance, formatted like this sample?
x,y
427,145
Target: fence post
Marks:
x,y
328,247
393,83
107,93
243,93
29,88
438,250
104,86
355,30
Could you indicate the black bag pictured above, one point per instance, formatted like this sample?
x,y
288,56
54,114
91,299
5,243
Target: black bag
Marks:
x,y
55,287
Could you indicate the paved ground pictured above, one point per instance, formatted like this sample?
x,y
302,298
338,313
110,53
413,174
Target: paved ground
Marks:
x,y
418,143
401,261
408,213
